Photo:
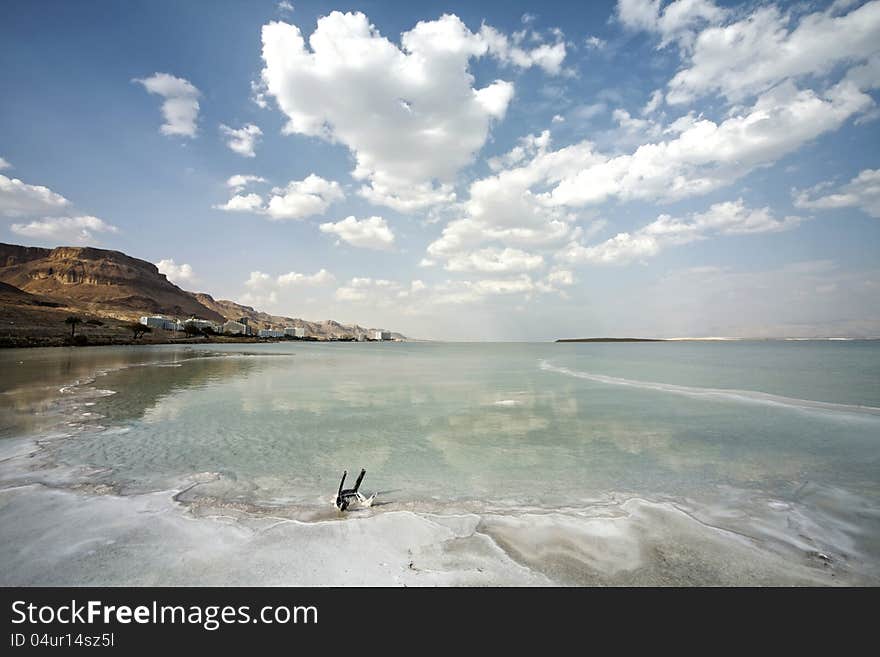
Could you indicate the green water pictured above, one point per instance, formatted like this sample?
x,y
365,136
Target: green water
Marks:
x,y
511,426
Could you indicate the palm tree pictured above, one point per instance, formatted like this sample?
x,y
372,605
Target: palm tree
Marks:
x,y
73,320
139,329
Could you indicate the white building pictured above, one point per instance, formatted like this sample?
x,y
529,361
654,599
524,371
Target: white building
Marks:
x,y
295,332
250,325
234,328
381,335
158,321
270,333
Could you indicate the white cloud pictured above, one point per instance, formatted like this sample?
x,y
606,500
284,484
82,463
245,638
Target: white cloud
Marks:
x,y
242,140
4,164
418,298
320,277
861,192
370,233
545,56
503,208
181,106
297,200
285,7
178,274
654,102
705,155
730,218
466,292
677,21
239,181
259,280
527,148
415,197
60,230
380,292
266,290
495,260
243,203
410,114
749,56
537,195
258,95
18,199
303,198
595,43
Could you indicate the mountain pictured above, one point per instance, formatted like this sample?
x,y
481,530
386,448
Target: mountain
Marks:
x,y
107,283
327,328
40,287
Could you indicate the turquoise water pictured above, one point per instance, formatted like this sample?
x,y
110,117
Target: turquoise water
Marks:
x,y
732,425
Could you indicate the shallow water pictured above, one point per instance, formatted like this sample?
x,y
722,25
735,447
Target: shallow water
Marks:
x,y
577,463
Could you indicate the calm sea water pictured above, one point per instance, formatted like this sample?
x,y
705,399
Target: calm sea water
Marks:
x,y
730,427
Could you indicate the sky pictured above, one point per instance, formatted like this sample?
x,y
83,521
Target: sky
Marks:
x,y
463,170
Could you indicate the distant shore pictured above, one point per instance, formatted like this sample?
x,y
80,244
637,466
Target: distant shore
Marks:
x,y
714,339
611,340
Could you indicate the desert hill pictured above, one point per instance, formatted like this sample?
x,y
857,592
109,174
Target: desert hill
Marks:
x,y
40,287
107,283
326,328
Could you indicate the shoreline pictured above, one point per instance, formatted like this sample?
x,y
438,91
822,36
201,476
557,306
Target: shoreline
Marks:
x,y
35,343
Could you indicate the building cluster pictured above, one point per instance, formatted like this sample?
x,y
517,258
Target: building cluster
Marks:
x,y
244,326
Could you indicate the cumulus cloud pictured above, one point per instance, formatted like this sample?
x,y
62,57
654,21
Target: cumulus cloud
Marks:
x,y
252,203
749,56
320,277
242,140
19,199
261,280
303,198
64,230
548,57
44,208
285,7
265,289
410,114
537,195
370,233
180,108
861,192
297,200
729,218
178,274
503,208
239,181
675,22
701,155
4,164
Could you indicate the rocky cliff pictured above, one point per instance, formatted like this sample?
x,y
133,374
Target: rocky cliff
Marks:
x,y
105,282
102,283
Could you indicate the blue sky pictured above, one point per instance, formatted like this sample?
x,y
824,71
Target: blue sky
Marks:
x,y
463,170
